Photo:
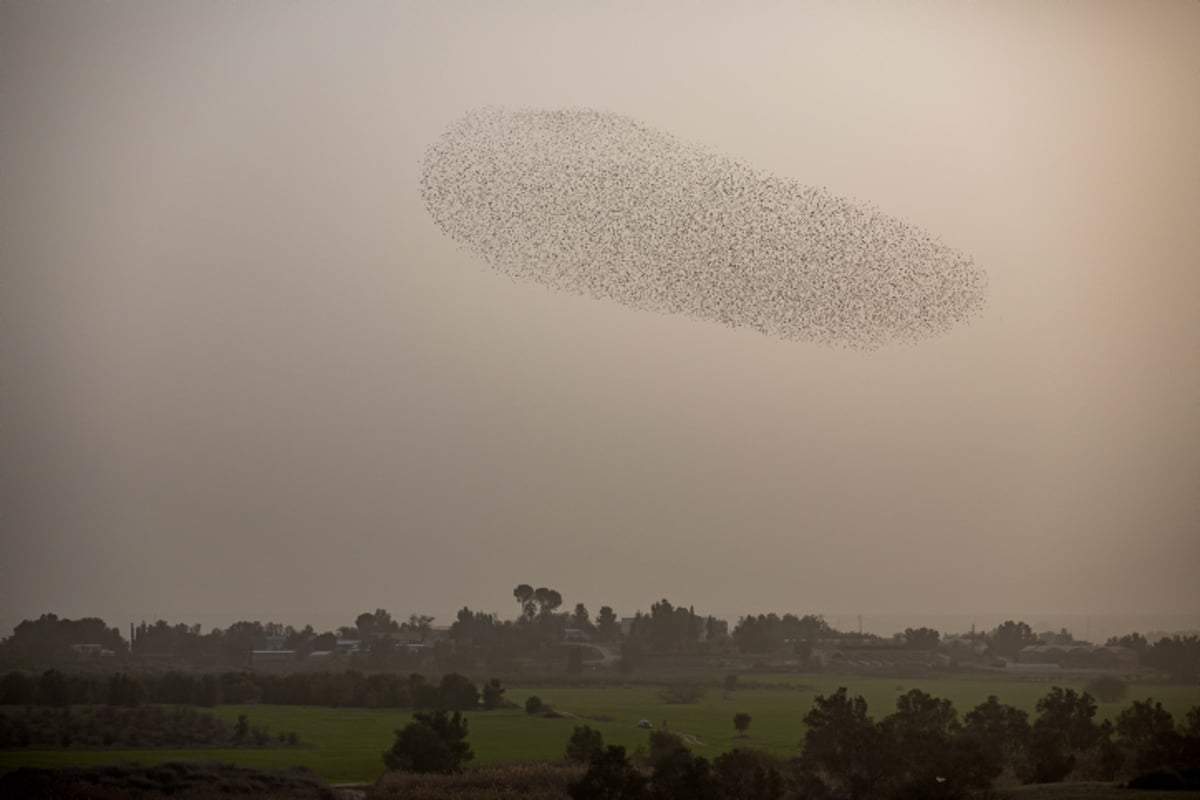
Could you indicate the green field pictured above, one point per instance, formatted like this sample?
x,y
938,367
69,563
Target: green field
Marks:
x,y
345,744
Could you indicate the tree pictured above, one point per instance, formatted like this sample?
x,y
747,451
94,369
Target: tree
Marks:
x,y
547,600
534,705
1134,641
923,739
843,744
579,619
1002,732
663,743
1010,637
1178,656
921,638
741,721
124,690
422,624
457,693
379,621
1064,727
752,635
609,776
680,774
493,694
16,689
324,642
608,627
524,596
586,743
1069,716
48,637
52,689
749,775
432,742
1147,730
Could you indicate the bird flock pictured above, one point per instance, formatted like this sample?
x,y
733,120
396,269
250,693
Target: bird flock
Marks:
x,y
600,204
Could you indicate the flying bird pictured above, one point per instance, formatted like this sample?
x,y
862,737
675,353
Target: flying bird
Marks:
x,y
599,204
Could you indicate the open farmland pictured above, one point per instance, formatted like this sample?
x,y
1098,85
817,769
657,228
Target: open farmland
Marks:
x,y
345,744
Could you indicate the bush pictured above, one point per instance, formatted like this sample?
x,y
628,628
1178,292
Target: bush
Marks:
x,y
663,744
751,775
493,694
681,774
585,744
433,742
609,776
534,705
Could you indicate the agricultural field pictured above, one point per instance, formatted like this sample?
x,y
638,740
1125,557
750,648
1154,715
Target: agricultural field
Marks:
x,y
345,745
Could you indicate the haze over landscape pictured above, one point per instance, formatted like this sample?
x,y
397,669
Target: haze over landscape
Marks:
x,y
246,375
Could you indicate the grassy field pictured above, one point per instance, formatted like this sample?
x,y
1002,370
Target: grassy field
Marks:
x,y
345,744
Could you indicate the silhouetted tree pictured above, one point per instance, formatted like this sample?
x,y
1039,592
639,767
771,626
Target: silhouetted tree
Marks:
x,y
843,745
124,690
493,694
52,689
379,621
524,597
1147,731
1001,731
16,689
547,600
432,742
585,744
1010,637
421,624
609,776
741,721
457,693
580,620
680,774
750,775
608,627
1063,728
921,638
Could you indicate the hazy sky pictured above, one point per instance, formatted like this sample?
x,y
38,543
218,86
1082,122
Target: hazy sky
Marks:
x,y
244,374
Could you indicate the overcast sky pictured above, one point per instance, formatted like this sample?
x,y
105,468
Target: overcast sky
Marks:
x,y
245,374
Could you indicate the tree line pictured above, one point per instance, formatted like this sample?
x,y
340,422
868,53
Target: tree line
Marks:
x,y
145,726
540,630
350,689
923,749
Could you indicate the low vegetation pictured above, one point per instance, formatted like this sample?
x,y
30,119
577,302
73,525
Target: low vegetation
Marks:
x,y
512,782
147,726
177,780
